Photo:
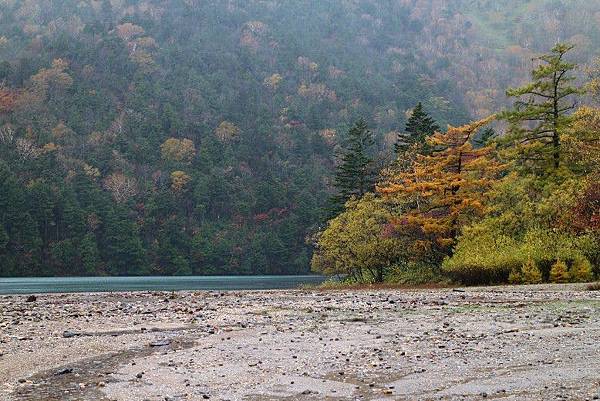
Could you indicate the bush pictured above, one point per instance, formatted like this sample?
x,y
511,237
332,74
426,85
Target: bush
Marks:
x,y
515,276
559,273
416,274
531,272
581,270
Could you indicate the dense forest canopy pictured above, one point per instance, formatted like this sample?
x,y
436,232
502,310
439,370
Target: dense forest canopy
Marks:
x,y
200,137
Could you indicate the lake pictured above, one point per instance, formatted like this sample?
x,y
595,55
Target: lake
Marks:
x,y
37,285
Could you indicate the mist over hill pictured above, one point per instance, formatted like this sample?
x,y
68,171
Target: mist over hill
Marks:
x,y
199,137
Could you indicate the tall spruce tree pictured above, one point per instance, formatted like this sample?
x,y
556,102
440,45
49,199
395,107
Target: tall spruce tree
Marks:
x,y
418,127
355,175
543,111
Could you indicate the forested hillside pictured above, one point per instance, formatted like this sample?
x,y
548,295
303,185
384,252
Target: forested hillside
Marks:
x,y
200,137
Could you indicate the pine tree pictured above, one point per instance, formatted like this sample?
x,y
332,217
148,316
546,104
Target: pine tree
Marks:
x,y
581,270
559,272
531,272
90,256
418,127
355,175
538,119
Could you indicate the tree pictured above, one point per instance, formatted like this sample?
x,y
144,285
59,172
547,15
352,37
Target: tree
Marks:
x,y
358,243
559,273
227,132
581,270
537,121
355,174
446,190
90,256
179,181
178,150
122,187
418,127
531,272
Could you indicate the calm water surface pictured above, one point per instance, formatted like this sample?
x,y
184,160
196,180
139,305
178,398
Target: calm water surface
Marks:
x,y
36,285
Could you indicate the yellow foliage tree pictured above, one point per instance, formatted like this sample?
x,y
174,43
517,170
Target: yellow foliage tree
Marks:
x,y
531,272
581,270
179,181
178,150
227,131
559,273
447,189
358,242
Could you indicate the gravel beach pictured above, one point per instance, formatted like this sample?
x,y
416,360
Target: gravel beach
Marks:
x,y
498,343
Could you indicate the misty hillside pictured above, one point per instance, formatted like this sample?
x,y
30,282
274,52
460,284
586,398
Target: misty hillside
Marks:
x,y
199,137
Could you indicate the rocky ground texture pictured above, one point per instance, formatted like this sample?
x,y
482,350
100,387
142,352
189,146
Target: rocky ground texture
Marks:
x,y
500,343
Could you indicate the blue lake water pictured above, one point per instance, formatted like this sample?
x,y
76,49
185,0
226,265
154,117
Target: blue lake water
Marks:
x,y
37,285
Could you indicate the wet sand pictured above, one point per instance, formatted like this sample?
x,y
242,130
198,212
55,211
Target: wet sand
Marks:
x,y
504,343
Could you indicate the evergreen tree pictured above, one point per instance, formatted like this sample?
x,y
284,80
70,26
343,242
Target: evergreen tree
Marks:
x,y
355,175
125,254
531,272
90,256
538,120
418,127
559,273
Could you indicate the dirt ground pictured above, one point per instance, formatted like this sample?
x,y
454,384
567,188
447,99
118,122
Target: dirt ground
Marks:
x,y
498,343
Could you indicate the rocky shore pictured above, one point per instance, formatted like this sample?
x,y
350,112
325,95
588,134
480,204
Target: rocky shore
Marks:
x,y
503,343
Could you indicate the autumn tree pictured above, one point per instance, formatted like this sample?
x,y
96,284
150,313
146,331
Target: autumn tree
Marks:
x,y
227,132
446,190
179,180
357,243
355,175
543,110
178,150
121,186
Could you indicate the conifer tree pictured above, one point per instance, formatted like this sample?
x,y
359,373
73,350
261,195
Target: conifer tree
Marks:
x,y
531,272
559,273
543,110
581,270
445,189
418,127
355,175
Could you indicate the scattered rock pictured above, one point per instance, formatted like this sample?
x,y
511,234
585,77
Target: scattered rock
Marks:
x,y
70,334
160,343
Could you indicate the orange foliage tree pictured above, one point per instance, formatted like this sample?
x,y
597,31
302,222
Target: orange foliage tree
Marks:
x,y
445,190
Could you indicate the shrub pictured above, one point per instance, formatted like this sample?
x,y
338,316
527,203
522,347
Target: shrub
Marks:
x,y
515,276
531,272
559,273
416,274
581,270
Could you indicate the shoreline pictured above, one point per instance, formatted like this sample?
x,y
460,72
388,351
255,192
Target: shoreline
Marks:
x,y
306,344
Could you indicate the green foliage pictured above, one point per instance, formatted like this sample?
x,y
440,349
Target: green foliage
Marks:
x,y
355,174
538,121
559,273
413,273
418,127
515,276
357,243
